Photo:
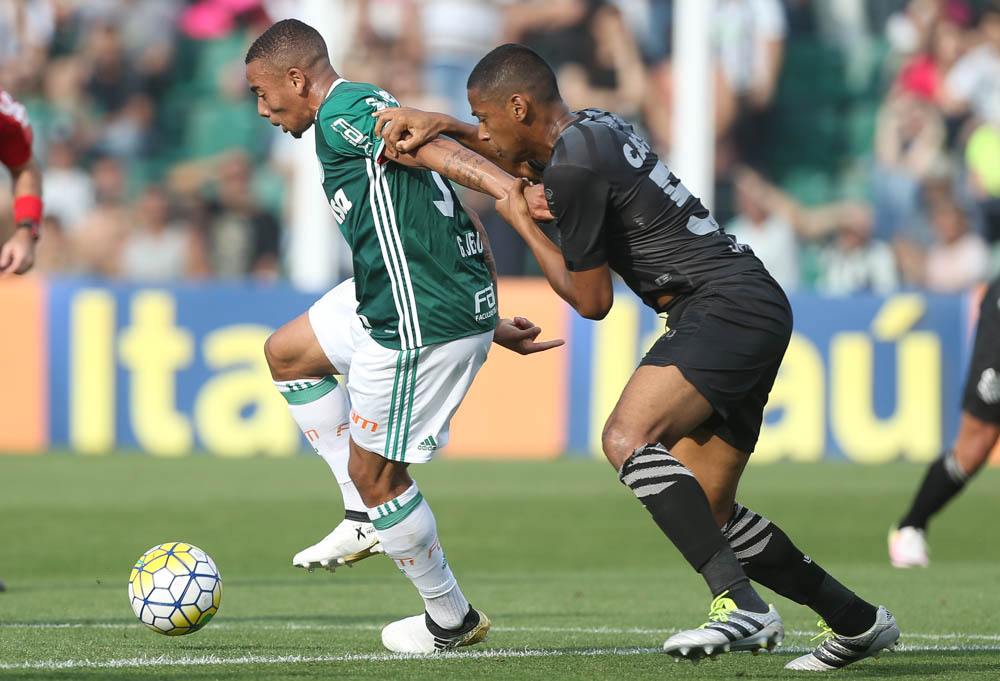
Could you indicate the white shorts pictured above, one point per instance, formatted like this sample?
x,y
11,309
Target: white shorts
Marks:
x,y
402,401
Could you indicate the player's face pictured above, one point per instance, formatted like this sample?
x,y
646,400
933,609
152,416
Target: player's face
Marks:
x,y
278,99
499,127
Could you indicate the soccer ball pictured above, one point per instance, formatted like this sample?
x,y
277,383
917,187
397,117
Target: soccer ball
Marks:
x,y
175,588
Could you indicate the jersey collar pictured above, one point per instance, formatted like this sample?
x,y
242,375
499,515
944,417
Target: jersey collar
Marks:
x,y
330,92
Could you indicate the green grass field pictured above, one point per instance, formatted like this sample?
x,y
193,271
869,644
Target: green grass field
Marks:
x,y
578,581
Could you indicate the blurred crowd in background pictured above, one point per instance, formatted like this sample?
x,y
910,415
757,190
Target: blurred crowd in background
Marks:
x,y
858,142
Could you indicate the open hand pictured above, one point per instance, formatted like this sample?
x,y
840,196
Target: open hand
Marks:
x,y
519,334
18,254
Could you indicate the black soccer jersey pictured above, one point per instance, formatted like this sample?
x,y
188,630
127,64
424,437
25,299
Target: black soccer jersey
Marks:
x,y
615,202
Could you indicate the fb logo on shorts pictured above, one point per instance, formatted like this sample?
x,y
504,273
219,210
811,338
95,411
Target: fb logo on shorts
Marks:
x,y
486,297
989,387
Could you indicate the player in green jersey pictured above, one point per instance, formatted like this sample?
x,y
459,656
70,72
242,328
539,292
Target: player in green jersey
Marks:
x,y
408,332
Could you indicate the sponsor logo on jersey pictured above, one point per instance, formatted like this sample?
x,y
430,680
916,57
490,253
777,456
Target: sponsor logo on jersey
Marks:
x,y
989,386
383,103
486,298
352,135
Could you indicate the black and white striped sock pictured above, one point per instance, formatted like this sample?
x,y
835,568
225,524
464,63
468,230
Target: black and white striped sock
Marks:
x,y
770,558
672,495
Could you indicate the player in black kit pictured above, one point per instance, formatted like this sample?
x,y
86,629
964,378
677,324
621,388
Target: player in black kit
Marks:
x,y
686,423
978,433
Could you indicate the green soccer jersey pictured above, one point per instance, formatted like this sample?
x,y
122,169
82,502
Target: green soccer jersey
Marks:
x,y
418,260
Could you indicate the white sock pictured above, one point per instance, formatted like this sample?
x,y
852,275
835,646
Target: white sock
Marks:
x,y
322,409
408,533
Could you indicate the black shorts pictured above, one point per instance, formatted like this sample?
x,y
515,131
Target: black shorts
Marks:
x,y
982,384
728,339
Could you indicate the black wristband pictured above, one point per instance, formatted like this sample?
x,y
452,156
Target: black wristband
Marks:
x,y
30,225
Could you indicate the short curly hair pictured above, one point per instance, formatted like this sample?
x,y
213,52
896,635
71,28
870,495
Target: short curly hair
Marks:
x,y
514,68
289,43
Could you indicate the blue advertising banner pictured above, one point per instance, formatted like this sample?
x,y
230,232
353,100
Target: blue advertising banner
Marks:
x,y
179,369
168,370
868,379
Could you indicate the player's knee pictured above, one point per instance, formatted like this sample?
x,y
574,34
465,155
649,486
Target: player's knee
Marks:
x,y
279,360
618,442
975,445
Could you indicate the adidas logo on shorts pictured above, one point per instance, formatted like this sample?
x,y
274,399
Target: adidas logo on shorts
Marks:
x,y
428,445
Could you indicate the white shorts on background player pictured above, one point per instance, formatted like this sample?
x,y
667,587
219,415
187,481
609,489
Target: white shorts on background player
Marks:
x,y
402,401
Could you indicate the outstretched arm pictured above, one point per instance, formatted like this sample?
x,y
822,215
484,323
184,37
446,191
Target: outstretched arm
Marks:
x,y
470,169
517,334
405,130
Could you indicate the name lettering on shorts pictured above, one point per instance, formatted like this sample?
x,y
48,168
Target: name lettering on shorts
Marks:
x,y
363,422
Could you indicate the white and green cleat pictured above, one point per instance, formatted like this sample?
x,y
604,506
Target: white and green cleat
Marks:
x,y
420,635
839,651
349,542
728,629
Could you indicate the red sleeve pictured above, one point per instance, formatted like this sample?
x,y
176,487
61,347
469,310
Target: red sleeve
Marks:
x,y
15,132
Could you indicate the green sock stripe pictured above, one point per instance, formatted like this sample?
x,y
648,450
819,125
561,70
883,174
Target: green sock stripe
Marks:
x,y
305,395
409,406
399,515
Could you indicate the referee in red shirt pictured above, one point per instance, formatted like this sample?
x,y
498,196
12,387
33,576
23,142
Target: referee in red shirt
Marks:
x,y
18,254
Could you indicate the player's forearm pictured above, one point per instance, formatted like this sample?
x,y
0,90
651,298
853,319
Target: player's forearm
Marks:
x,y
550,260
467,135
464,166
27,179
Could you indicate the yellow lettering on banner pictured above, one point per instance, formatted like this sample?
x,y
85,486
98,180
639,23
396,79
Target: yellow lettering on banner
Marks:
x,y
92,372
153,349
217,409
799,390
914,429
612,362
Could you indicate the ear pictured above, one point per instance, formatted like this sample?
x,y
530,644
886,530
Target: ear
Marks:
x,y
518,106
297,79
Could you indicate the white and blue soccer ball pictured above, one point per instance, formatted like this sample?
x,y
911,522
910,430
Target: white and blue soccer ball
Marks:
x,y
175,588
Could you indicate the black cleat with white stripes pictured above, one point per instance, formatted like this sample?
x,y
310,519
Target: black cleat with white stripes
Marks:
x,y
839,651
728,629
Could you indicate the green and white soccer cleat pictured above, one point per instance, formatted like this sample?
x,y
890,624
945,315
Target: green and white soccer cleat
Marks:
x,y
728,629
421,635
839,651
349,542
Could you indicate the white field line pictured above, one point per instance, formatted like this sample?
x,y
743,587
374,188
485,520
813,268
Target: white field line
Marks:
x,y
295,626
201,660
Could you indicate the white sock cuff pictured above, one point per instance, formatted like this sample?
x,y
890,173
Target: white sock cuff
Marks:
x,y
441,589
396,510
305,390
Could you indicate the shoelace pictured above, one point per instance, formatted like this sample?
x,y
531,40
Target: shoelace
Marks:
x,y
826,633
719,609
